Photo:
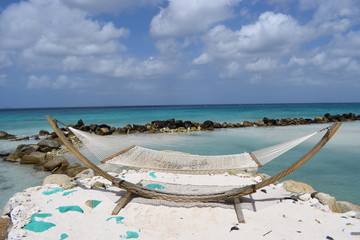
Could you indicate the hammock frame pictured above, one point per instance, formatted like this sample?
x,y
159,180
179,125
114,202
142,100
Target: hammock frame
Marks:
x,y
233,194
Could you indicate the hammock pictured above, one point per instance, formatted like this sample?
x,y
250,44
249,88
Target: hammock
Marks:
x,y
227,194
144,158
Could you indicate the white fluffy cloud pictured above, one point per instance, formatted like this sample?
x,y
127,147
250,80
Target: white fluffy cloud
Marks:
x,y
183,17
272,34
49,35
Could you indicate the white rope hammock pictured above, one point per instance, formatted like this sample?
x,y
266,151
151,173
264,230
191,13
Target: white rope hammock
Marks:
x,y
138,157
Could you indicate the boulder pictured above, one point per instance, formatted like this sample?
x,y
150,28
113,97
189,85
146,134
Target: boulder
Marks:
x,y
5,224
33,158
248,124
43,133
72,172
52,144
326,199
22,150
344,207
297,187
60,179
55,163
208,125
4,135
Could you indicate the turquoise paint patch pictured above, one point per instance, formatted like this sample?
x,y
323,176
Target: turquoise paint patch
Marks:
x,y
152,174
155,186
122,176
74,208
63,236
117,218
52,191
94,203
129,235
39,226
69,192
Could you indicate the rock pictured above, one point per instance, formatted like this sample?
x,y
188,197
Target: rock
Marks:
x,y
22,150
4,153
297,187
344,206
5,223
87,173
55,163
72,172
52,144
33,158
61,180
103,131
326,199
43,133
248,124
305,197
4,135
207,125
98,185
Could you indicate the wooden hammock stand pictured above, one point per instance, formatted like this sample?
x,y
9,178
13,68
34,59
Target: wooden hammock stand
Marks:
x,y
233,194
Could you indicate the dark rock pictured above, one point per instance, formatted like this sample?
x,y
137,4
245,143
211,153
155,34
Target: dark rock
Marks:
x,y
217,125
139,128
102,131
188,124
55,163
208,125
20,139
79,124
84,128
73,171
43,133
4,153
93,127
50,144
53,135
4,135
159,124
179,123
33,158
22,150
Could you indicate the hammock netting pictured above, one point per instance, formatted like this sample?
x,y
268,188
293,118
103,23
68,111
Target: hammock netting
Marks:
x,y
104,147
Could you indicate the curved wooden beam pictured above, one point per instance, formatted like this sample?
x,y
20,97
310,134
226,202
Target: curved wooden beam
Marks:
x,y
230,194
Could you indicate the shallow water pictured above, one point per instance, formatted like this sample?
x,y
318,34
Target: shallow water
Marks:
x,y
333,170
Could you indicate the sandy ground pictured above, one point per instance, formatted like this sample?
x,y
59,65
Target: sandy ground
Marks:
x,y
51,212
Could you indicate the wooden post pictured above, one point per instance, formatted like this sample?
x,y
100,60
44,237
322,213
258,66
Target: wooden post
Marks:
x,y
122,203
238,210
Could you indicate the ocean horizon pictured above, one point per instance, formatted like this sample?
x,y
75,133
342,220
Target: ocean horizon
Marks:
x,y
333,170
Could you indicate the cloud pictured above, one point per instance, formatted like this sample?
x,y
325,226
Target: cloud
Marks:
x,y
111,6
47,35
60,82
183,17
271,34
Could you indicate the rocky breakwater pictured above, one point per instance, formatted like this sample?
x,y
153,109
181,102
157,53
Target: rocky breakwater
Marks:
x,y
46,155
172,125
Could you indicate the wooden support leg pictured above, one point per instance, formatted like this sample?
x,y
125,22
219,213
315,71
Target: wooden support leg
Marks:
x,y
122,203
238,210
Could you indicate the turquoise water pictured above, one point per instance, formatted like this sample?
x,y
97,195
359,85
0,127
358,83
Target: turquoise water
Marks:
x,y
334,170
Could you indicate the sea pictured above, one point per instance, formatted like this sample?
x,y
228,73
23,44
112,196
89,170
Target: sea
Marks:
x,y
334,170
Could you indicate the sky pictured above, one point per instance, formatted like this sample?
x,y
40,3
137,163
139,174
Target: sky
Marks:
x,y
64,53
